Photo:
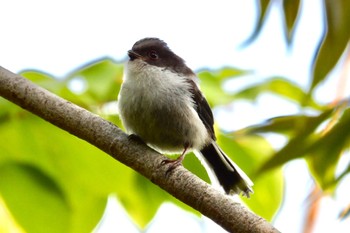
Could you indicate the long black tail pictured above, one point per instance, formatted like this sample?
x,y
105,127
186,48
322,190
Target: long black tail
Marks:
x,y
229,175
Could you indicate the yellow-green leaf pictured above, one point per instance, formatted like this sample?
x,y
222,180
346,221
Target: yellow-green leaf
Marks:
x,y
325,153
335,41
262,11
279,86
29,193
212,81
299,145
291,9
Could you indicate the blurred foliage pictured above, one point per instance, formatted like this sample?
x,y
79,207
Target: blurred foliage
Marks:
x,y
43,164
47,172
51,181
335,38
321,146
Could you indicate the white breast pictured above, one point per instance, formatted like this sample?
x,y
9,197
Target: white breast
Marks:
x,y
156,104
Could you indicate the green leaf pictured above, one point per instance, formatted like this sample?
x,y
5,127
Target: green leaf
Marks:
x,y
82,171
211,83
87,210
283,125
7,110
141,199
279,86
29,193
300,144
101,80
44,80
192,163
291,9
262,11
325,153
268,194
336,39
288,125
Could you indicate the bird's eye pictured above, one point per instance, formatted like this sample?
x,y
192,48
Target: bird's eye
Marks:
x,y
153,55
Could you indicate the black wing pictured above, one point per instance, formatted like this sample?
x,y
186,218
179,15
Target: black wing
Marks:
x,y
203,109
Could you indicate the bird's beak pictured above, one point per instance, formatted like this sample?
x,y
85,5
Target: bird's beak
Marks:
x,y
133,55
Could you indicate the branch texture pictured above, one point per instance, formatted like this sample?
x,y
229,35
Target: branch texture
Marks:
x,y
182,184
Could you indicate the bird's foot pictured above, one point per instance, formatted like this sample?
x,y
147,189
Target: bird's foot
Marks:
x,y
173,163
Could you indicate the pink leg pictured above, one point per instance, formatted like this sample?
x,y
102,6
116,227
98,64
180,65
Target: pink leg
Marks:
x,y
174,162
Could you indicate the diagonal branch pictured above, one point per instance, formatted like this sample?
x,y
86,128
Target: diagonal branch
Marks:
x,y
106,136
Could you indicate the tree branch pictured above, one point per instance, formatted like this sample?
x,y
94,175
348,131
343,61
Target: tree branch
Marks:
x,y
182,184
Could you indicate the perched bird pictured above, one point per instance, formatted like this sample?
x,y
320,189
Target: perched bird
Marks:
x,y
160,102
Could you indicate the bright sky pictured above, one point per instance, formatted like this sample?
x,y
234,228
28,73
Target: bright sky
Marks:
x,y
58,36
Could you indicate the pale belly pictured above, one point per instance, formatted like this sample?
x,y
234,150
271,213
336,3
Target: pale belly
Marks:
x,y
164,122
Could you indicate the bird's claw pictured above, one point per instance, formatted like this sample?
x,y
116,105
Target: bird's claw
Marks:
x,y
174,163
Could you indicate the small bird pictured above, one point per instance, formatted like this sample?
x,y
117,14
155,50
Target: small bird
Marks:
x,y
160,103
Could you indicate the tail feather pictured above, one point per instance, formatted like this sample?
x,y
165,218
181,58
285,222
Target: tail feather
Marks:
x,y
229,175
